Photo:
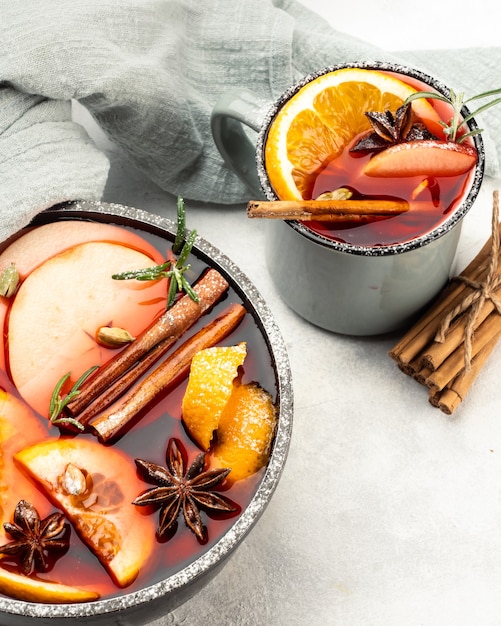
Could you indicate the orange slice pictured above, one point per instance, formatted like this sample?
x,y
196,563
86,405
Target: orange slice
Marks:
x,y
210,385
35,590
98,507
245,431
18,428
323,117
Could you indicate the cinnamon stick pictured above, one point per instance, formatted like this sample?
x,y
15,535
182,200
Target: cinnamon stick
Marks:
x,y
123,383
325,210
168,327
446,349
451,397
112,422
422,374
437,352
454,364
425,329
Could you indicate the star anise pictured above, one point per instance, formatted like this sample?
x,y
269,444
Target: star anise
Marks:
x,y
33,538
190,491
389,129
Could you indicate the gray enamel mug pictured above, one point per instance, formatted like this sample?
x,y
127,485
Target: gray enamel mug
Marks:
x,y
344,288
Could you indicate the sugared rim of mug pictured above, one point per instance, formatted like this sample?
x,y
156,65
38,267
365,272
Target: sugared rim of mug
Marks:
x,y
382,250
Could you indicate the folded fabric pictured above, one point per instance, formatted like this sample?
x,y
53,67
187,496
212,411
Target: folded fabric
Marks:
x,y
149,73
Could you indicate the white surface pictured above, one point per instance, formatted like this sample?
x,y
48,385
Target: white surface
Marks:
x,y
389,512
431,24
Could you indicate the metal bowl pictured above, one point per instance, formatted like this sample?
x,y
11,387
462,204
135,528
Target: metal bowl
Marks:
x,y
149,603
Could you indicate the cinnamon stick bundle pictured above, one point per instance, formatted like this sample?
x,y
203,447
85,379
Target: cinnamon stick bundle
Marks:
x,y
446,349
112,422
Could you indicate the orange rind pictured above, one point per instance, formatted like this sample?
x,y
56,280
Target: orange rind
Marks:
x,y
209,388
36,590
245,432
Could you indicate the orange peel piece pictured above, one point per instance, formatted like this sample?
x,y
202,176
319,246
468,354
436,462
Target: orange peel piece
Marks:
x,y
209,388
246,430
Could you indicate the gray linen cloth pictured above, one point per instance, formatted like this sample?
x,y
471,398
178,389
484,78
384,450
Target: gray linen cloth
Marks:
x,y
149,72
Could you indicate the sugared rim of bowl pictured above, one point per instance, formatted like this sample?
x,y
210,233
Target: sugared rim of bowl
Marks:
x,y
236,533
387,250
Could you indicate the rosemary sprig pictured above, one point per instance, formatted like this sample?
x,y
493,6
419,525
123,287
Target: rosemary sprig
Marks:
x,y
148,273
171,269
178,281
457,100
181,227
58,403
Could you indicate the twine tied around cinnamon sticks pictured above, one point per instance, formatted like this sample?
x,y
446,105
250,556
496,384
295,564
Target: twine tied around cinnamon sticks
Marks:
x,y
446,349
482,291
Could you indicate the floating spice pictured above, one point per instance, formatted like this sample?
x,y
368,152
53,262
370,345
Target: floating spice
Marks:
x,y
9,281
188,490
113,337
389,130
33,538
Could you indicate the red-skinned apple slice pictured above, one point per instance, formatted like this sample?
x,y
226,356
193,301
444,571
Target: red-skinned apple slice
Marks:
x,y
95,486
39,244
60,306
425,158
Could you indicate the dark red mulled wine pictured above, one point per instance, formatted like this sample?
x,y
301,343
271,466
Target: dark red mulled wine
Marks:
x,y
147,439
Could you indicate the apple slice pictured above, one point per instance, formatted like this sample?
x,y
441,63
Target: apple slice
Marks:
x,y
36,590
425,158
59,308
95,487
38,244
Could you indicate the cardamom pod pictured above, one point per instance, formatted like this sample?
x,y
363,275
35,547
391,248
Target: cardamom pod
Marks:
x,y
113,337
9,281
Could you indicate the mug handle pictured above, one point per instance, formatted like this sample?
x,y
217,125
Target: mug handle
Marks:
x,y
235,110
